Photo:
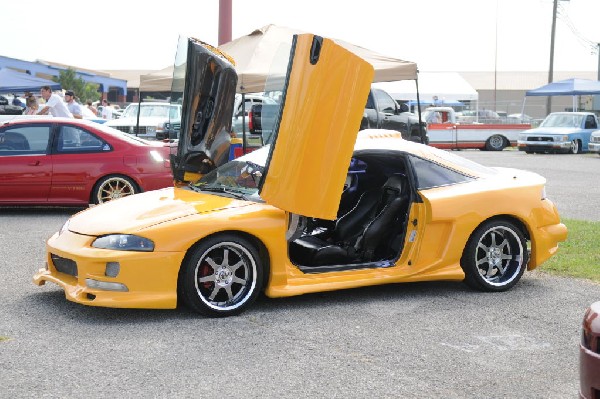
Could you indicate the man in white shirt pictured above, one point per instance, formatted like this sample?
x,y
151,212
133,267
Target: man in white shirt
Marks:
x,y
54,104
106,110
72,105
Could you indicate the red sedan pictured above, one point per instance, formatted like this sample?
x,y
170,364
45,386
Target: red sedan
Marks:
x,y
58,161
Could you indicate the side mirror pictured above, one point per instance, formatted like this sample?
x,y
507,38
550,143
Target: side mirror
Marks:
x,y
403,108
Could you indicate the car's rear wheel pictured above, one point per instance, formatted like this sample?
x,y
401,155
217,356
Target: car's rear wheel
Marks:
x,y
495,257
221,276
495,143
113,187
575,148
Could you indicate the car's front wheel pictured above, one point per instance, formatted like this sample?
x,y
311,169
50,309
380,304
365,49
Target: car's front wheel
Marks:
x,y
575,147
221,276
113,187
495,256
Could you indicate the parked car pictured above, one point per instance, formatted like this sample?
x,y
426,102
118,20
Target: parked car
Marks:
x,y
317,210
478,116
566,132
152,119
589,354
594,144
64,161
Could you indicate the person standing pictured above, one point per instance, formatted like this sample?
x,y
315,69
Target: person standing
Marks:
x,y
91,107
32,106
73,105
54,104
106,110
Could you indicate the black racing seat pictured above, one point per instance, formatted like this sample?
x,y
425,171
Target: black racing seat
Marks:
x,y
359,235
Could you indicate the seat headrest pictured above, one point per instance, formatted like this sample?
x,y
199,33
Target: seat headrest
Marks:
x,y
395,182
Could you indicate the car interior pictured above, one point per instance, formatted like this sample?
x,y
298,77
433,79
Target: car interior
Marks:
x,y
371,224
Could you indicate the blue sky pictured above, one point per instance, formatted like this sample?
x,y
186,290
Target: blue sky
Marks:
x,y
457,35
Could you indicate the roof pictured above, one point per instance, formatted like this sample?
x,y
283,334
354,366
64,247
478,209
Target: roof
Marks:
x,y
519,80
446,86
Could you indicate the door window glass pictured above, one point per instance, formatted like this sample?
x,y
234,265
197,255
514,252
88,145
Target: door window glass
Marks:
x,y
385,103
24,140
74,139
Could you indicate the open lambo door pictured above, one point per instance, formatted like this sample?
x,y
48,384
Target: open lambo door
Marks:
x,y
322,102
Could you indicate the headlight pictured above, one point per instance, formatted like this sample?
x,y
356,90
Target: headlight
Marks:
x,y
65,227
561,138
156,156
124,242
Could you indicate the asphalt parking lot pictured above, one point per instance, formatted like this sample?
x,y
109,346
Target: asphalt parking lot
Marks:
x,y
418,340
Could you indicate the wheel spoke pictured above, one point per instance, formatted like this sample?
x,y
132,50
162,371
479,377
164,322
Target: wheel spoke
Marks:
x,y
236,266
225,257
206,279
211,262
228,291
214,293
481,246
239,280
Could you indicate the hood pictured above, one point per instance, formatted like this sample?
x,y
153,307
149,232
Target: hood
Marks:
x,y
137,212
552,130
208,81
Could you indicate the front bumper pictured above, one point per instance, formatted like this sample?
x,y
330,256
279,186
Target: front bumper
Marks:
x,y
145,279
594,147
543,145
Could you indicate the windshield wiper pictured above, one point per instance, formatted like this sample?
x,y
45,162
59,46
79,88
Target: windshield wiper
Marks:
x,y
224,190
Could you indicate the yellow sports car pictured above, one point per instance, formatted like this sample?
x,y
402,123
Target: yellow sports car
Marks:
x,y
317,209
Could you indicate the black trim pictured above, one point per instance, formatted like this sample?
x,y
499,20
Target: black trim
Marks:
x,y
275,133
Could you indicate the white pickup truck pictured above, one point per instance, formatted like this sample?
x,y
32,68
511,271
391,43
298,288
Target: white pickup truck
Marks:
x,y
445,131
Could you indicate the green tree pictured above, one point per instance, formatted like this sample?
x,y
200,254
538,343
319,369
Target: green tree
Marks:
x,y
84,91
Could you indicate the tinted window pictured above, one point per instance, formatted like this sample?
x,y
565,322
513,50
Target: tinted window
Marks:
x,y
24,140
385,103
74,139
430,174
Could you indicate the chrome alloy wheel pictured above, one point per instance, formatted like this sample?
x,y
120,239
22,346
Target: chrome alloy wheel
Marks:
x,y
225,276
500,255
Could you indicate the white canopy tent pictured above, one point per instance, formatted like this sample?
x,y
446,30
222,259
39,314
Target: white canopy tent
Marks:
x,y
254,54
443,86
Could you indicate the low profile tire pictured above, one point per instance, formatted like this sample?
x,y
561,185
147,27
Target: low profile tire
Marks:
x,y
495,143
113,187
495,257
575,147
222,276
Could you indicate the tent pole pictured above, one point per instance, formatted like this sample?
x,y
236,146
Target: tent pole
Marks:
x,y
419,106
523,109
243,123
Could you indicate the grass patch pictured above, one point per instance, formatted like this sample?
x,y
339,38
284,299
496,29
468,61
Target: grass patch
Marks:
x,y
579,256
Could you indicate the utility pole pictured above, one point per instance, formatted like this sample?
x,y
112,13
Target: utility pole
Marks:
x,y
551,69
598,61
224,21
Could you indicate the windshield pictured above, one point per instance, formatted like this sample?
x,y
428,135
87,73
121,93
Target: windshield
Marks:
x,y
238,178
152,110
562,120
